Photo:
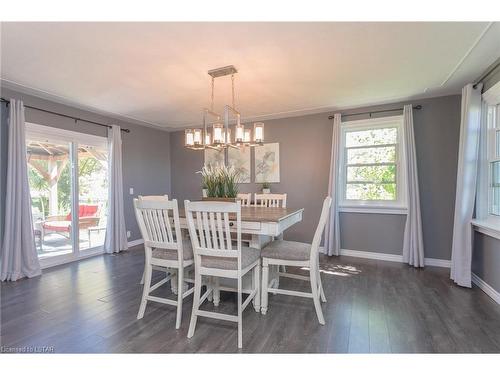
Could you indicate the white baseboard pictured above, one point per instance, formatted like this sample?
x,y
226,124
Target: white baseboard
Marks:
x,y
486,288
437,262
390,257
372,255
140,241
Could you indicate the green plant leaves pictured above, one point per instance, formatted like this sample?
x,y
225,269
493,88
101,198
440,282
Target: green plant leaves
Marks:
x,y
220,181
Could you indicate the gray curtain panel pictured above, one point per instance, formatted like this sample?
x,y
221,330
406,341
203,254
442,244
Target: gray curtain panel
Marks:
x,y
19,257
332,229
413,244
116,234
468,160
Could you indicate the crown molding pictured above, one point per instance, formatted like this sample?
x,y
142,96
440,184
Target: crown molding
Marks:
x,y
45,95
467,53
330,109
23,89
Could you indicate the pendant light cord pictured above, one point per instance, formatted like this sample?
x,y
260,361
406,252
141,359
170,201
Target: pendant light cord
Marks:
x,y
212,97
232,88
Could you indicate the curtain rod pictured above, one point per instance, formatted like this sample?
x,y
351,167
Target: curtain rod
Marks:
x,y
67,116
486,74
372,112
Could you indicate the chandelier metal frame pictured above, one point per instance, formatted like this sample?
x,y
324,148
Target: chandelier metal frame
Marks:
x,y
220,137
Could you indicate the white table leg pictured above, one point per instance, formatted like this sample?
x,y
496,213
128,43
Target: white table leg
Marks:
x,y
258,241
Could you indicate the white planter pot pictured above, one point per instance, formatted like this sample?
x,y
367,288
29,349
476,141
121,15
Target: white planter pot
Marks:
x,y
266,191
204,193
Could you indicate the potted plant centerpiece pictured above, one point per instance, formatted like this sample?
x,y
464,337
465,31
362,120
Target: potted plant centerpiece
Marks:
x,y
220,182
266,188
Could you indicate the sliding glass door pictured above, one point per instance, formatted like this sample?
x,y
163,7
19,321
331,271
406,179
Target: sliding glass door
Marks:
x,y
68,178
49,175
92,195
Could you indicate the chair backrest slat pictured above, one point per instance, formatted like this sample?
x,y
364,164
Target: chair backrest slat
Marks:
x,y
325,212
208,237
169,229
159,228
270,200
220,228
155,218
229,245
210,229
246,199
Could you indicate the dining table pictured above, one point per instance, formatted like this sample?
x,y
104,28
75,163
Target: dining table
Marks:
x,y
261,225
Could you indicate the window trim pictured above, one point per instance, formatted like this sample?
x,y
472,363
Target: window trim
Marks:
x,y
398,206
41,132
490,159
486,222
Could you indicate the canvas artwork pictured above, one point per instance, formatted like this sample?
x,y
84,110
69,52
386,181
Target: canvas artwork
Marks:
x,y
267,163
240,160
214,157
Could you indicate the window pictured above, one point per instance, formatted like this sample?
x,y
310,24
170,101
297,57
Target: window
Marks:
x,y
371,165
494,160
487,214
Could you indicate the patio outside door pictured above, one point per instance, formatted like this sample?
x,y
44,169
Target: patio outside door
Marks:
x,y
68,178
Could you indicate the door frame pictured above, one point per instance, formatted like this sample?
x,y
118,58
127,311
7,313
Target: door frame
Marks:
x,y
44,132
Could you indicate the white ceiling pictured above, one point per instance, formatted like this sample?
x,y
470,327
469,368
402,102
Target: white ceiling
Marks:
x,y
155,73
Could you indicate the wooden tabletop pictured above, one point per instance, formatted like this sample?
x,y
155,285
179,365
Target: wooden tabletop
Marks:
x,y
261,214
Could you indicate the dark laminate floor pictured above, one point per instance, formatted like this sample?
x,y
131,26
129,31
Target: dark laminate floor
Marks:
x,y
372,306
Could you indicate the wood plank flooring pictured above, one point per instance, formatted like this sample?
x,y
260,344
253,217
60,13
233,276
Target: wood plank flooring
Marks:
x,y
373,307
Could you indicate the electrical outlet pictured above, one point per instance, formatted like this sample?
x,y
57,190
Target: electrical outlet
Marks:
x,y
131,191
128,234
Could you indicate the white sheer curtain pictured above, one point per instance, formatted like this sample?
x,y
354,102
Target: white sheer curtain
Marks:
x,y
481,209
19,257
332,229
468,160
116,234
413,244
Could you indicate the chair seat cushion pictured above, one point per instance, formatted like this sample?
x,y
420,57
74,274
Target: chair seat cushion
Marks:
x,y
167,254
287,250
57,225
248,256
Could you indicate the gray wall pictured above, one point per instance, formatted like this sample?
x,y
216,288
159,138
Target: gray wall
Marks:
x,y
146,155
305,157
493,78
486,259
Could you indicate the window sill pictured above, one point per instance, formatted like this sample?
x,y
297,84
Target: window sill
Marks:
x,y
391,210
488,227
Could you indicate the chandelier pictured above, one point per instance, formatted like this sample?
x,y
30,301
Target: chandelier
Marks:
x,y
216,133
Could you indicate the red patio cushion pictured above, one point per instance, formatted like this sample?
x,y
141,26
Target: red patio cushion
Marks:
x,y
85,210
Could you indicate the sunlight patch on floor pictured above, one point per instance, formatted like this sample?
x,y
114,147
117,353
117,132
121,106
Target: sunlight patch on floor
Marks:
x,y
337,270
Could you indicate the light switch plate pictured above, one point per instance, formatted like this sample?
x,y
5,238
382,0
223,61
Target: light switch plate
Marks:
x,y
128,234
131,191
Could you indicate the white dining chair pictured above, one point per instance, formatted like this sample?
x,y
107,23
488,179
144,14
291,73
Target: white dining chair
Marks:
x,y
152,198
164,247
270,200
246,199
214,257
298,254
